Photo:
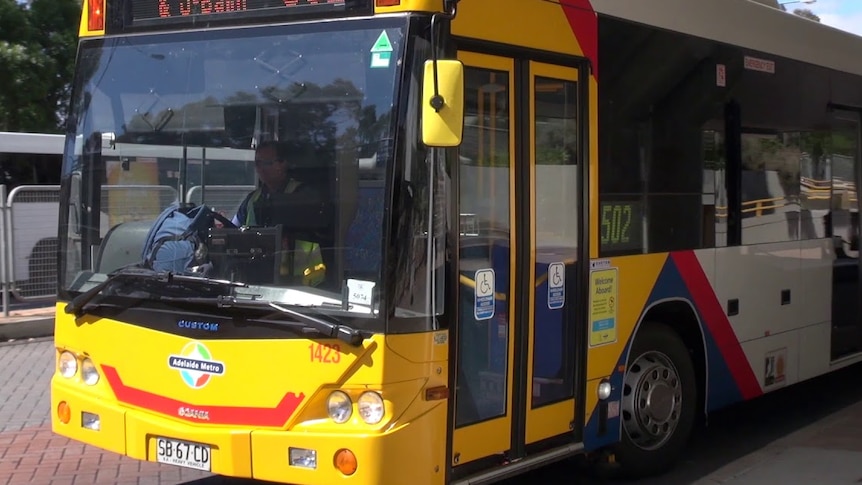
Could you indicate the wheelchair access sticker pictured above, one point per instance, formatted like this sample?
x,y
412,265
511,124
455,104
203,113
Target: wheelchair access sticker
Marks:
x,y
484,308
556,285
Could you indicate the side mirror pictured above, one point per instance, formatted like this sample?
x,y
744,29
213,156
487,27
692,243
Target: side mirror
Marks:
x,y
443,117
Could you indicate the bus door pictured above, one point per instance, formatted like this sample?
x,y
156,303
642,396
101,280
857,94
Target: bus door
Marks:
x,y
487,244
554,208
845,230
519,220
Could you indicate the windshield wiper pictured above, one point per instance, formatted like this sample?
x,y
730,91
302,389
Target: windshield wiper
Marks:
x,y
323,324
78,303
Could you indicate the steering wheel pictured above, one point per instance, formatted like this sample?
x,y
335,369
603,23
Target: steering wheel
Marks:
x,y
224,220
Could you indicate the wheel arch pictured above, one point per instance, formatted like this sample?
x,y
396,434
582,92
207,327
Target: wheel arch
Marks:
x,y
682,317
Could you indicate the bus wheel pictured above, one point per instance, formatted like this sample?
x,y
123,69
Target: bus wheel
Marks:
x,y
658,402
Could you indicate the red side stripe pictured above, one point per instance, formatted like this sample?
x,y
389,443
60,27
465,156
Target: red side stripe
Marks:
x,y
717,323
247,416
585,25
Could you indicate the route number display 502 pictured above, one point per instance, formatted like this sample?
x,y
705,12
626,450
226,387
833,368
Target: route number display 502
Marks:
x,y
620,223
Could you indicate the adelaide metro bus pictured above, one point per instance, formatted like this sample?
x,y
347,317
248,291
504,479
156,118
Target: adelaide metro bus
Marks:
x,y
573,237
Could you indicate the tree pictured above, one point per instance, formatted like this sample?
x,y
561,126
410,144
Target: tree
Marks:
x,y
37,56
802,12
806,13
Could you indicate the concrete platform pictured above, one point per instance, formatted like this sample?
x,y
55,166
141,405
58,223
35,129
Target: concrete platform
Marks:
x,y
26,323
805,465
827,452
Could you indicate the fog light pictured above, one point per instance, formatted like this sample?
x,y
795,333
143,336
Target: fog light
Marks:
x,y
604,390
90,421
302,457
64,412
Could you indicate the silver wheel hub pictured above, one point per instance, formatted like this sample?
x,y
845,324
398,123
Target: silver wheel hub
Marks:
x,y
652,400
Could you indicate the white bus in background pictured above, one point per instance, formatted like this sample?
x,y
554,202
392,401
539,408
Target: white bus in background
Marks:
x,y
28,159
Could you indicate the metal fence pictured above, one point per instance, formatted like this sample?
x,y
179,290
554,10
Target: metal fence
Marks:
x,y
28,265
29,222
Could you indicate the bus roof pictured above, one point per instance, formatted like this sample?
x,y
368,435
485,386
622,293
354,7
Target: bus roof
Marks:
x,y
39,143
746,24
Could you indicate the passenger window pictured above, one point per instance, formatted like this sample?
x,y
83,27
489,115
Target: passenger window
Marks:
x,y
770,187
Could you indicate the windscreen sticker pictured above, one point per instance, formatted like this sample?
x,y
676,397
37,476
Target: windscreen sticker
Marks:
x,y
360,291
381,52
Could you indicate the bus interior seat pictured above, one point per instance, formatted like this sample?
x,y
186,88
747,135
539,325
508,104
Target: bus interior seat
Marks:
x,y
122,245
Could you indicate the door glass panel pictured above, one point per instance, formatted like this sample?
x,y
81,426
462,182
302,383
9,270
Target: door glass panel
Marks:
x,y
556,247
484,248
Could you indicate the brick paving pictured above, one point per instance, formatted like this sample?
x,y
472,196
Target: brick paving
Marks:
x,y
31,454
34,455
25,373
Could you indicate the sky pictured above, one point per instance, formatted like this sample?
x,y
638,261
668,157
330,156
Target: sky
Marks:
x,y
841,14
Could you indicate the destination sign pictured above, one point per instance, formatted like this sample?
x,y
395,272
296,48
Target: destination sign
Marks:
x,y
148,10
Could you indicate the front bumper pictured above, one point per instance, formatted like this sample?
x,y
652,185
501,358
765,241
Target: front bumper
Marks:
x,y
404,453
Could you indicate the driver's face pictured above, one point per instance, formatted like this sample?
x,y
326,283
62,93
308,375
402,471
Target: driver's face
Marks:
x,y
271,171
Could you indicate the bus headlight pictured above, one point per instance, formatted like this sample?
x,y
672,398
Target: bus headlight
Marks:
x,y
339,406
89,372
371,407
67,364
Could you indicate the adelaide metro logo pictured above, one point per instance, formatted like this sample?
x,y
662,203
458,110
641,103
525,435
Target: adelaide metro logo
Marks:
x,y
196,365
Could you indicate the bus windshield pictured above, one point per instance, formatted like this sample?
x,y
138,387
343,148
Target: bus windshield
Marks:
x,y
283,130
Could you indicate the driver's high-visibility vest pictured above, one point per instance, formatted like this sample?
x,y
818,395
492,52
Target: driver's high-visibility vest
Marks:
x,y
307,261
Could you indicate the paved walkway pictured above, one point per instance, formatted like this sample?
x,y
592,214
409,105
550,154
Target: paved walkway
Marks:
x,y
826,452
31,454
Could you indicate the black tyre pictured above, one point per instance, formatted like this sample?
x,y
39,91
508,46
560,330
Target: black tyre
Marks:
x,y
658,402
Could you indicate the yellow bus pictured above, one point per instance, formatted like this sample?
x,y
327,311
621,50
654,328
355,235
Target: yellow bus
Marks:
x,y
536,230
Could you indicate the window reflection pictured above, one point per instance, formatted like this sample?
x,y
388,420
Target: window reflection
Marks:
x,y
786,186
715,203
844,201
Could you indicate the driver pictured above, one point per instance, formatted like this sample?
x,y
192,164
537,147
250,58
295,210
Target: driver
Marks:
x,y
271,164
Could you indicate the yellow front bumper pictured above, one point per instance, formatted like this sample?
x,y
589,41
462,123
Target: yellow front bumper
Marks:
x,y
405,453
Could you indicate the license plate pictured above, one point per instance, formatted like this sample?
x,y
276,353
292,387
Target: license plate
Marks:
x,y
183,453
